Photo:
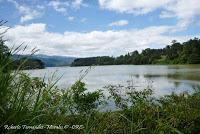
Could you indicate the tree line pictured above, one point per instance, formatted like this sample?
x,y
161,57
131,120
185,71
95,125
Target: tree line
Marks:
x,y
177,53
19,63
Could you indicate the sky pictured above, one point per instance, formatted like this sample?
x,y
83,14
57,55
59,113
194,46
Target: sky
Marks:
x,y
85,28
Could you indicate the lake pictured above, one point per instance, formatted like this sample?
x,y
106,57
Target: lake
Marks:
x,y
163,79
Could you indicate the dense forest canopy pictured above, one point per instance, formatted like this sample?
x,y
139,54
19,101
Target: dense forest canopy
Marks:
x,y
178,53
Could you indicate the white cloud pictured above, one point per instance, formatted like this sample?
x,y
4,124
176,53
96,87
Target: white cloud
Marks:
x,y
77,3
40,7
71,18
83,20
132,6
62,6
119,23
94,43
59,6
185,11
26,12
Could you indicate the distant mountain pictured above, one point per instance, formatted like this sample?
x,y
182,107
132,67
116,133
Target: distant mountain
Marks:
x,y
49,61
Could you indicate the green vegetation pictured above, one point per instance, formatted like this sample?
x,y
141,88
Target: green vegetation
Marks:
x,y
23,63
28,63
29,105
185,53
105,60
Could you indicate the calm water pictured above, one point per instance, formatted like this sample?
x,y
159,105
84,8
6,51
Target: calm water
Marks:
x,y
163,79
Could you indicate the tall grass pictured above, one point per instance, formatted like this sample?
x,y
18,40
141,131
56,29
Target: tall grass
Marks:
x,y
30,101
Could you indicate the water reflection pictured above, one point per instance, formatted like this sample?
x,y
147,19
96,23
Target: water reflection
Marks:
x,y
163,79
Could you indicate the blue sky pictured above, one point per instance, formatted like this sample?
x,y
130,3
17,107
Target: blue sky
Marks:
x,y
99,27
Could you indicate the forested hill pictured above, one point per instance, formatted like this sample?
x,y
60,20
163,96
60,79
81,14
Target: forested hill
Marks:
x,y
49,61
176,53
27,63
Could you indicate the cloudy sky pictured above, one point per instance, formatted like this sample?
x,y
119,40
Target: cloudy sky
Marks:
x,y
84,28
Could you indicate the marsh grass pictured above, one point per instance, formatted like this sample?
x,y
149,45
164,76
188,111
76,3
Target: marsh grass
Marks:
x,y
30,101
